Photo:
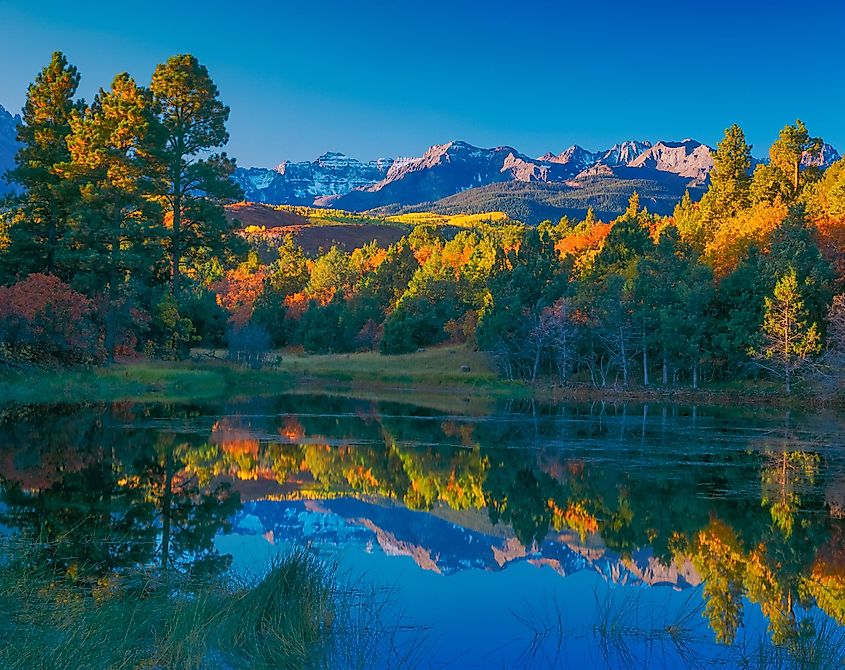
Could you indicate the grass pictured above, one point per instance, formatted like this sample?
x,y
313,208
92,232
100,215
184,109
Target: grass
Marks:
x,y
438,366
296,616
629,633
433,376
436,377
139,381
458,220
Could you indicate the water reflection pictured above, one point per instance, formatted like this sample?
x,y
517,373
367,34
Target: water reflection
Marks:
x,y
97,492
748,505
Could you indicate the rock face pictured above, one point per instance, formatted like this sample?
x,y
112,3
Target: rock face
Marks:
x,y
687,158
447,548
460,175
824,159
622,154
8,146
447,169
303,183
576,157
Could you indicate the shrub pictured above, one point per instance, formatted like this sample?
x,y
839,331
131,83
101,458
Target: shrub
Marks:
x,y
43,320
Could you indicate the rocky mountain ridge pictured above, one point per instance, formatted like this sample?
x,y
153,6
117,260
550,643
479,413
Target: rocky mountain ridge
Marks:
x,y
463,176
444,547
8,146
445,170
305,182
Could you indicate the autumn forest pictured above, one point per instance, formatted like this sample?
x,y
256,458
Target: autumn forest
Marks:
x,y
122,241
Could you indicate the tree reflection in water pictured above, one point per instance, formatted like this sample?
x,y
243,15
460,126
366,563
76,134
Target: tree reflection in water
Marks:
x,y
746,503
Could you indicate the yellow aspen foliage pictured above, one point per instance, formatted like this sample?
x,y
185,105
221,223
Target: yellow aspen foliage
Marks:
x,y
733,236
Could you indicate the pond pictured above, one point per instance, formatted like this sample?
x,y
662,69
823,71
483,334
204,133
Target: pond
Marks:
x,y
533,535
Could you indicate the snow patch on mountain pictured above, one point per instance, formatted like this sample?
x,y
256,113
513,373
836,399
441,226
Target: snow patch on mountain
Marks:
x,y
823,159
301,183
447,169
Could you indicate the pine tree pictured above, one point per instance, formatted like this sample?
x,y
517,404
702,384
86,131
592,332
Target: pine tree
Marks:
x,y
191,123
789,149
730,178
633,209
113,239
41,213
788,340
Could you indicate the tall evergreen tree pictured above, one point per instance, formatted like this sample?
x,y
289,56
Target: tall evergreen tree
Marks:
x,y
788,150
192,123
730,178
785,176
41,214
789,339
113,239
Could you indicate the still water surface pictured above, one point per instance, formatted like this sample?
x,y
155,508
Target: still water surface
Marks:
x,y
532,536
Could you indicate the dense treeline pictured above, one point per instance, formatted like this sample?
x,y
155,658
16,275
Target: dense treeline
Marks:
x,y
120,244
120,221
744,281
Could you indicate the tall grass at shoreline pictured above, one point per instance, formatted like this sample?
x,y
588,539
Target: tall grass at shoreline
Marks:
x,y
297,616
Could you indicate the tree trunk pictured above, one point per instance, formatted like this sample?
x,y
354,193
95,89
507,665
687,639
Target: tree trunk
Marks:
x,y
624,353
166,505
110,336
665,366
535,368
111,325
695,371
175,237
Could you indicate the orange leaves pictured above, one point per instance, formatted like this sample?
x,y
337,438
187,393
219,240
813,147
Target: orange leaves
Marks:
x,y
51,309
830,233
296,304
456,257
292,429
578,242
238,291
575,516
367,259
733,236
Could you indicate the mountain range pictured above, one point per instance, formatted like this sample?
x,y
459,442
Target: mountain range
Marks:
x,y
8,146
439,544
446,170
458,177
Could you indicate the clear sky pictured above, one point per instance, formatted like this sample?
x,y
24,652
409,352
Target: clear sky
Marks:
x,y
391,78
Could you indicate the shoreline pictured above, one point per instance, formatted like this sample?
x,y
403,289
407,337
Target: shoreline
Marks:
x,y
435,377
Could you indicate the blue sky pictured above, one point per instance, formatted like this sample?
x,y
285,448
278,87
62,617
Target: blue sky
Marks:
x,y
391,78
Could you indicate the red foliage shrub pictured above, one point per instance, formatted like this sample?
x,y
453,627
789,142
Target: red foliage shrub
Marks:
x,y
42,318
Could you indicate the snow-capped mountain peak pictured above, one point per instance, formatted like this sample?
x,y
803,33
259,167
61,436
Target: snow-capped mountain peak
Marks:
x,y
623,153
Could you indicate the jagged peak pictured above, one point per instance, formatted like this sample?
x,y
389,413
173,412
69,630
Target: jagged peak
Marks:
x,y
7,115
333,154
672,144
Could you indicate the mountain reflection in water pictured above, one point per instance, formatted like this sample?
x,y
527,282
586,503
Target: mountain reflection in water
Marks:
x,y
533,518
